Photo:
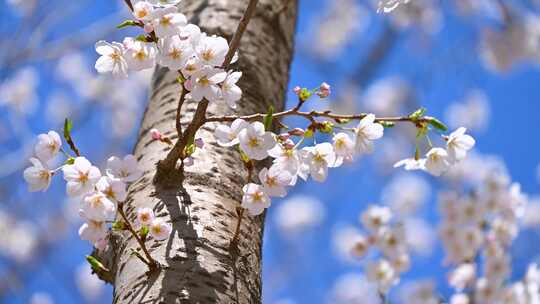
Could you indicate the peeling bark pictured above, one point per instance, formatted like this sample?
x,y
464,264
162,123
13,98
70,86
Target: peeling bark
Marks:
x,y
198,266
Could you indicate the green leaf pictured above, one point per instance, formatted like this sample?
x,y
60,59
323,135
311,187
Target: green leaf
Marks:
x,y
127,23
417,153
68,126
243,155
437,124
189,149
305,94
422,131
268,118
95,264
143,232
387,124
418,113
70,161
326,127
141,38
118,225
308,133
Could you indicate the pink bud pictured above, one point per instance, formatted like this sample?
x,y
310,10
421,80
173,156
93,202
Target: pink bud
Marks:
x,y
324,90
297,90
283,136
188,161
297,132
156,135
148,28
199,143
288,144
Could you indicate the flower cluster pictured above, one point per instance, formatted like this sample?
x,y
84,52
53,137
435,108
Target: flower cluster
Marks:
x,y
174,43
157,227
439,160
389,238
99,193
479,228
291,161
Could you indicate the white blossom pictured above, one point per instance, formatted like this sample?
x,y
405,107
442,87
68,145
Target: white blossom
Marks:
x,y
230,92
382,273
376,217
205,82
167,22
366,132
211,50
81,176
143,10
97,207
174,52
255,142
255,199
93,231
274,181
47,146
112,59
228,136
159,229
145,216
411,164
289,159
165,3
139,55
344,146
437,161
458,144
319,158
38,176
113,188
126,169
462,276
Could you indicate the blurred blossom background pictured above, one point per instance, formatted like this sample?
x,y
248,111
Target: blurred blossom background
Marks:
x,y
474,63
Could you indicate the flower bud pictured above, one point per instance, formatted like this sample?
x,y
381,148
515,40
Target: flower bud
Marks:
x,y
288,144
156,135
188,161
199,143
297,132
148,28
324,90
283,136
297,90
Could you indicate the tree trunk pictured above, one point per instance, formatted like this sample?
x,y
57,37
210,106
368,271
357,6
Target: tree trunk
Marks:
x,y
198,266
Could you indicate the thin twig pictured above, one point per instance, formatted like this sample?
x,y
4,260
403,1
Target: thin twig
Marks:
x,y
235,41
178,110
152,264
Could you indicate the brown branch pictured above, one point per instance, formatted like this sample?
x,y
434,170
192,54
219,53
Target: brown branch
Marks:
x,y
313,114
129,4
178,110
235,41
152,264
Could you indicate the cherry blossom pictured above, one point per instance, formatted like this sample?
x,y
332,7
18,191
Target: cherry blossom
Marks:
x,y
38,176
81,176
382,273
204,83
344,146
319,158
458,144
143,10
411,164
159,229
255,142
126,169
289,159
437,161
228,136
167,21
113,188
112,59
212,50
97,207
376,217
231,93
255,199
139,55
274,181
366,132
145,216
93,231
174,52
48,145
